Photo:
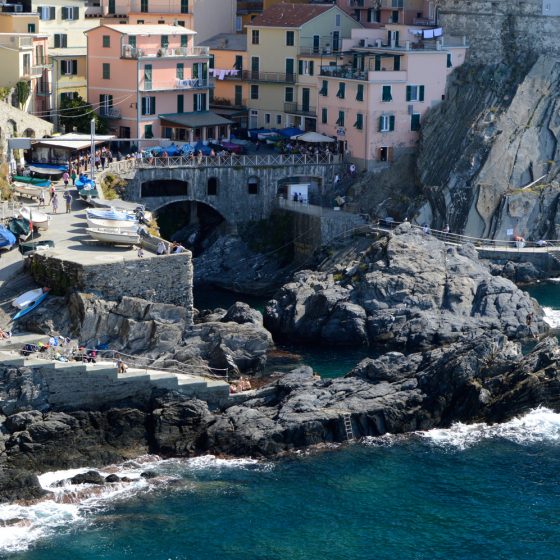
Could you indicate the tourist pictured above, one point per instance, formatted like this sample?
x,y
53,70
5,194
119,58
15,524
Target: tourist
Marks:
x,y
54,203
41,198
336,180
199,159
52,192
68,200
140,251
66,179
542,243
73,176
121,366
161,248
5,334
426,229
179,249
352,170
446,231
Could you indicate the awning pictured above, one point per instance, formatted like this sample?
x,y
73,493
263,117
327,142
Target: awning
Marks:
x,y
72,141
195,119
314,137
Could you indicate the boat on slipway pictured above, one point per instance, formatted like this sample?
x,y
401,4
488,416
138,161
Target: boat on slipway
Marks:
x,y
111,214
33,191
35,181
112,224
7,238
39,219
115,236
32,301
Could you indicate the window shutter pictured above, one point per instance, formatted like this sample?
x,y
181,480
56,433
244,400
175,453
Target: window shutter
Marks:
x,y
311,68
76,13
143,105
110,100
180,103
380,127
205,70
389,35
449,62
392,122
62,66
421,94
377,63
408,93
194,100
153,111
65,40
57,41
52,13
397,63
64,13
74,67
300,67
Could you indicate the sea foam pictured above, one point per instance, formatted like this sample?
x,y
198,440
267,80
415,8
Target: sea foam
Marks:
x,y
552,317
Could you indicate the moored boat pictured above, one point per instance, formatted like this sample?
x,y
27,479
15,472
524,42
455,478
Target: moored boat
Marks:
x,y
37,181
113,235
112,224
112,214
32,246
21,228
33,191
39,219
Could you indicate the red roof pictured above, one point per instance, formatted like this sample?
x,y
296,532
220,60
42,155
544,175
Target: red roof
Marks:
x,y
289,15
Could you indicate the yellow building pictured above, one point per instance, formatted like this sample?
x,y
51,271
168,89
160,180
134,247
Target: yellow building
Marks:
x,y
228,59
69,70
286,47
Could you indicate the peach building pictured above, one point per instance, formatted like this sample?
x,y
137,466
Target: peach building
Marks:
x,y
373,13
374,99
152,83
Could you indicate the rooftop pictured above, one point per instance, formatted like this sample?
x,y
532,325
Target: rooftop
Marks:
x,y
195,119
126,29
227,42
290,15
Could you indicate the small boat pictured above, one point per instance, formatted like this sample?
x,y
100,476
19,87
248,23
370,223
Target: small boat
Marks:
x,y
116,236
88,192
33,191
21,228
84,183
27,298
112,224
32,246
39,219
112,214
31,306
36,181
7,238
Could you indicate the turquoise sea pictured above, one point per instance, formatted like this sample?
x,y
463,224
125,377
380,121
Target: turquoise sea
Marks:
x,y
468,492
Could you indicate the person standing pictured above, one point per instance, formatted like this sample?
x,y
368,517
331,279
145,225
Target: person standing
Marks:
x,y
41,198
73,176
68,200
65,178
54,202
52,192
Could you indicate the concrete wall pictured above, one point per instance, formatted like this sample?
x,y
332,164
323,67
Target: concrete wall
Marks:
x,y
161,279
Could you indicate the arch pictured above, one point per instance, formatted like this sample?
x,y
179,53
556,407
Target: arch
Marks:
x,y
212,186
253,185
164,187
11,129
29,133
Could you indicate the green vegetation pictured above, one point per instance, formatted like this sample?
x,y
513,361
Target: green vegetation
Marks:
x,y
5,189
4,93
76,114
112,186
23,89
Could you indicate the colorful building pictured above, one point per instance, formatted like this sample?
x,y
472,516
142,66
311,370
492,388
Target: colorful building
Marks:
x,y
286,46
208,18
151,82
372,13
248,10
373,98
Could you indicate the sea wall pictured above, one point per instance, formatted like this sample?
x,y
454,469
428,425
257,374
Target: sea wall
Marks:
x,y
158,279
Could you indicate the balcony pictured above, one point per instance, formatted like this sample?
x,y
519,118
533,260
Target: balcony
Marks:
x,y
173,52
186,84
15,42
346,72
272,77
157,7
386,77
319,45
299,109
33,71
94,11
109,113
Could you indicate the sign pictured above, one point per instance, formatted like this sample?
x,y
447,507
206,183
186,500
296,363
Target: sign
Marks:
x,y
340,131
509,232
19,143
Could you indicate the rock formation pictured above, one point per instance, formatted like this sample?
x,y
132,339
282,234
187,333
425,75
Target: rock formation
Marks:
x,y
407,289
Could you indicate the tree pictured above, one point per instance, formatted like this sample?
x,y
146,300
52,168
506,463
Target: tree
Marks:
x,y
76,114
23,89
5,92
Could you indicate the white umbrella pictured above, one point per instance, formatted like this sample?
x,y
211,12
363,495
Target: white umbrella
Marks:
x,y
313,137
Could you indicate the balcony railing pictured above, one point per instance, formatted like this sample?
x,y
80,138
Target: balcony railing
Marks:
x,y
310,45
347,73
133,52
94,11
280,77
15,42
187,84
33,71
109,112
299,109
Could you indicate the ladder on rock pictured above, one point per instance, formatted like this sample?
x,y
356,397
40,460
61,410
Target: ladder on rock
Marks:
x,y
348,427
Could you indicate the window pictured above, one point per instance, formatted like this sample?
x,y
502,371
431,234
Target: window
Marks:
x,y
71,13
341,90
238,101
212,186
324,115
105,101
254,91
255,37
106,71
305,67
144,6
449,61
360,92
184,40
386,94
289,67
324,88
106,41
289,94
132,41
111,7
340,120
253,185
238,24
148,105
337,20
359,124
396,63
181,22
212,61
180,103
139,22
67,96
386,123
289,38
148,76
180,74
148,132
267,118
415,121
184,6
60,40
377,66
199,102
278,119
69,67
30,28
46,12
124,132
415,93
164,41
238,62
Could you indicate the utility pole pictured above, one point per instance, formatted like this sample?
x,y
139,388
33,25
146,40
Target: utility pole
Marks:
x,y
92,131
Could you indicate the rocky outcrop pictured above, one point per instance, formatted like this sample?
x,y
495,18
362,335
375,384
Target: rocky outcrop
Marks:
x,y
407,289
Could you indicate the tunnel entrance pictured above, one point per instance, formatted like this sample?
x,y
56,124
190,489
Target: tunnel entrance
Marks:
x,y
193,224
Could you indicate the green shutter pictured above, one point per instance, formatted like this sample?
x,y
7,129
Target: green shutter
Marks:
x,y
180,103
205,70
180,71
397,63
392,122
408,93
143,105
380,125
415,122
421,95
153,105
449,62
360,92
377,62
300,67
324,115
386,94
359,121
311,67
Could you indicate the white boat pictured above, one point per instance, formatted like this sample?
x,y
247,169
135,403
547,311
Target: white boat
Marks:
x,y
116,236
111,214
30,190
39,219
26,299
112,224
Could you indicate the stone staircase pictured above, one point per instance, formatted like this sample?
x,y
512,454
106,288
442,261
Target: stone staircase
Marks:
x,y
76,384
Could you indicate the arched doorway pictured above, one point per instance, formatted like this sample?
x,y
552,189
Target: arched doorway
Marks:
x,y
192,223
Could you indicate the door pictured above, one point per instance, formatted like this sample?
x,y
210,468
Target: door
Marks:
x,y
255,67
253,119
289,69
336,41
305,100
316,43
148,76
111,6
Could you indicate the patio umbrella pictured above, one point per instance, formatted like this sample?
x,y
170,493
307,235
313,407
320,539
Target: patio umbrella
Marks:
x,y
291,131
313,137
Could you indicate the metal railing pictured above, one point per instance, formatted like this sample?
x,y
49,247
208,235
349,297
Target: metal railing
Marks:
x,y
281,77
133,52
346,72
299,109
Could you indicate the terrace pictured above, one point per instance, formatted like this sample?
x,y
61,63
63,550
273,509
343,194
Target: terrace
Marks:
x,y
137,53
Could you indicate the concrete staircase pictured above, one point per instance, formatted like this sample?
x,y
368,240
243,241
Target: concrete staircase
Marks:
x,y
75,384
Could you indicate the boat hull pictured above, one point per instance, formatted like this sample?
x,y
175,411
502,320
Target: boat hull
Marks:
x,y
112,224
31,307
30,190
27,298
39,219
117,237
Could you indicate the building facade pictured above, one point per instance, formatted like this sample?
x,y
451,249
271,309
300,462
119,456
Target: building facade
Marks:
x,y
286,46
373,13
373,99
151,82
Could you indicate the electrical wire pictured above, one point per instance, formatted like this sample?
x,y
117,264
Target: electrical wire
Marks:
x,y
92,105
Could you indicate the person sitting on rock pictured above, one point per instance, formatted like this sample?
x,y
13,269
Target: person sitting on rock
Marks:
x,y
121,366
5,334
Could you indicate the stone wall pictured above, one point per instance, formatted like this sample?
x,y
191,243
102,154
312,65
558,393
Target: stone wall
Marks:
x,y
14,122
159,279
500,30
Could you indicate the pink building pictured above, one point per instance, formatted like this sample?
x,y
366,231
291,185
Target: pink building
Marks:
x,y
373,13
373,98
152,83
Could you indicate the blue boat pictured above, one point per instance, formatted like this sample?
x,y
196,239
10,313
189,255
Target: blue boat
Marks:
x,y
7,238
111,215
31,306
